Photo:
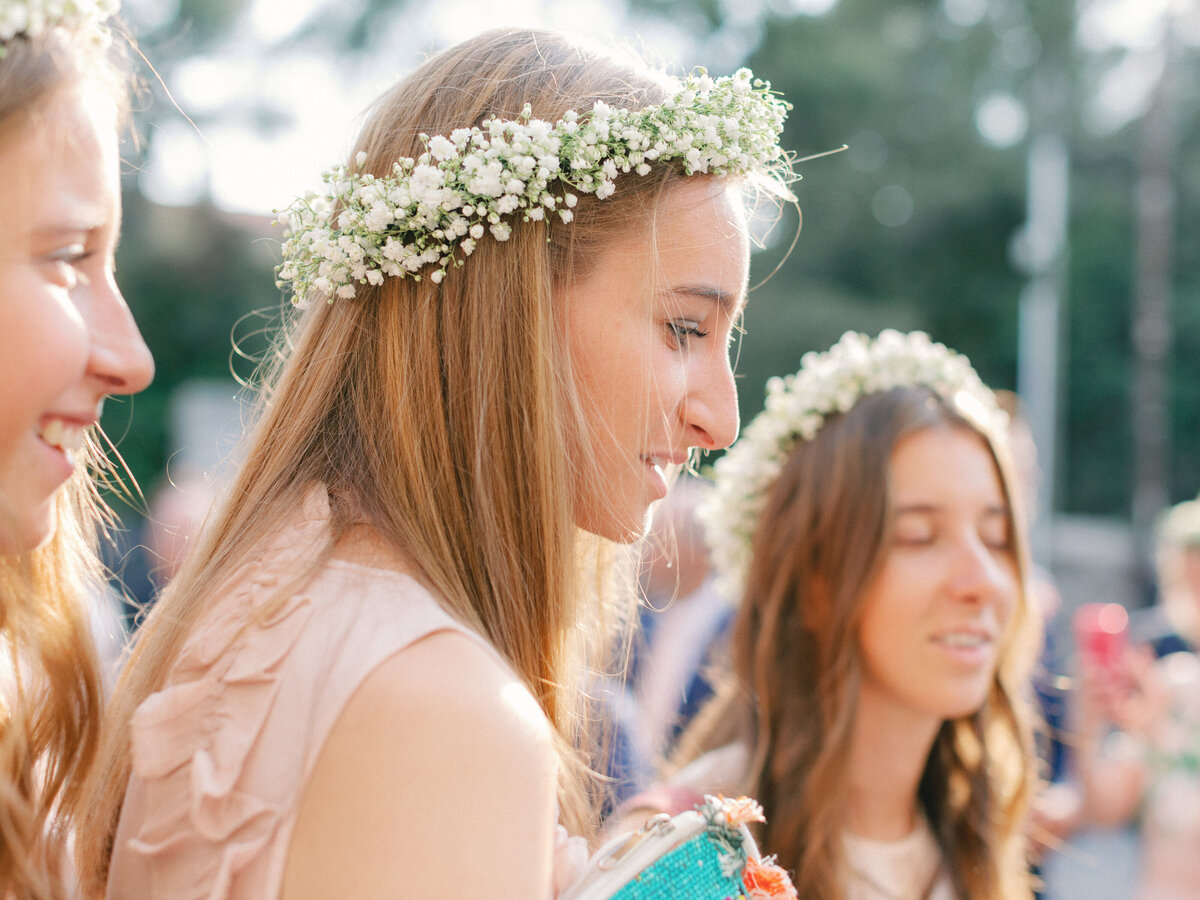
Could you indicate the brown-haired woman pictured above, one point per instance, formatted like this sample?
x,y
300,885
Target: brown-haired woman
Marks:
x,y
366,680
868,522
66,341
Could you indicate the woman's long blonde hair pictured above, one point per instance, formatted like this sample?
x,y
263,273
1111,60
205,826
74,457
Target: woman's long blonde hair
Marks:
x,y
51,685
791,697
442,416
50,715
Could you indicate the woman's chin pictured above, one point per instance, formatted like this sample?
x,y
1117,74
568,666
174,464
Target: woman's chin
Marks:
x,y
616,527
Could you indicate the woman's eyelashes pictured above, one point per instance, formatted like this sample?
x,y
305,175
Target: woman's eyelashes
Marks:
x,y
996,532
923,530
67,264
683,331
914,531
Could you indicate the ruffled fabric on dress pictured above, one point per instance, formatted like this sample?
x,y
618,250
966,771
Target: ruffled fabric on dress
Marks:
x,y
208,719
221,755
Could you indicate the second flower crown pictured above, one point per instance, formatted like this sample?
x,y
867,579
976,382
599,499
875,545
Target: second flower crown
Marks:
x,y
431,211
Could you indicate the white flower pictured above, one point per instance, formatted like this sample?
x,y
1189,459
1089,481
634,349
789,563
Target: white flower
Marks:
x,y
379,217
487,182
441,148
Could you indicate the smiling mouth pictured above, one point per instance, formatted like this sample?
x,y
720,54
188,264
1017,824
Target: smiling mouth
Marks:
x,y
64,437
965,639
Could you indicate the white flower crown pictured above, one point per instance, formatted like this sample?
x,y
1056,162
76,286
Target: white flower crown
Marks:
x,y
797,406
32,17
361,228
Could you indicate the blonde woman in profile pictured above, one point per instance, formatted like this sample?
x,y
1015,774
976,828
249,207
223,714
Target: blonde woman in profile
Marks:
x,y
366,680
868,521
66,342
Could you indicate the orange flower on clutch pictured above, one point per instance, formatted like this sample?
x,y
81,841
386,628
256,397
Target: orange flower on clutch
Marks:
x,y
741,811
764,880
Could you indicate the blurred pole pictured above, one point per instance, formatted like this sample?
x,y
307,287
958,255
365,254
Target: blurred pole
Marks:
x,y
1151,321
1042,253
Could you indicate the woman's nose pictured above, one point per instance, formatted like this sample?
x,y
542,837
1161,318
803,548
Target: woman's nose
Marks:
x,y
711,405
981,574
120,360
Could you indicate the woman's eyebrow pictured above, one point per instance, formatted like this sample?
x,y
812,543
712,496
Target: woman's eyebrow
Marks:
x,y
916,508
729,303
64,228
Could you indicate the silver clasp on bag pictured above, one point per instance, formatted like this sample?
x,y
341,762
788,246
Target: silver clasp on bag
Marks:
x,y
658,822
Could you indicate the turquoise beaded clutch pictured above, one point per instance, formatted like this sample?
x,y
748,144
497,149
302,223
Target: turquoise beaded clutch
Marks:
x,y
705,854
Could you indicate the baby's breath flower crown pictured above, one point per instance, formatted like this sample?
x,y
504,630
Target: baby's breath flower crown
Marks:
x,y
797,406
432,210
32,17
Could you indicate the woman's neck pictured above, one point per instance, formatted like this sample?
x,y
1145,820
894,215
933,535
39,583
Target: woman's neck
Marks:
x,y
887,756
363,545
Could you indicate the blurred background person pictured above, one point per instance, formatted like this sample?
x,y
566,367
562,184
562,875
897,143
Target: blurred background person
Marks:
x,y
1138,725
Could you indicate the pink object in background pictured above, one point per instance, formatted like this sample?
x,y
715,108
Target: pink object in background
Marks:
x,y
1101,632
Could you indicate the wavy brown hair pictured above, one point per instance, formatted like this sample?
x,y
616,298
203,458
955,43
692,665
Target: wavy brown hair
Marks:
x,y
444,417
796,665
50,711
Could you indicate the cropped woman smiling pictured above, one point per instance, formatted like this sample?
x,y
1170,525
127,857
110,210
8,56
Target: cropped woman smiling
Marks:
x,y
67,341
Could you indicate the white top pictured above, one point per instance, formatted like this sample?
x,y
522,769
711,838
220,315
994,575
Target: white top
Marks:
x,y
908,869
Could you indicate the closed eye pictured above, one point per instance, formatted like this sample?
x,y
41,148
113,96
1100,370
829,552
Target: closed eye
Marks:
x,y
914,527
995,531
913,538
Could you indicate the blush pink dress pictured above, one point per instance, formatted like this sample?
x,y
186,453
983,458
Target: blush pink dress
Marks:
x,y
222,754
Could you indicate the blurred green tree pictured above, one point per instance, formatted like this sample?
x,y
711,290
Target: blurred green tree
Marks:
x,y
911,227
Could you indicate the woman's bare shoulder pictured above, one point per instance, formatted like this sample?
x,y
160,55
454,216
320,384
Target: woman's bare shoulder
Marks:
x,y
442,761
